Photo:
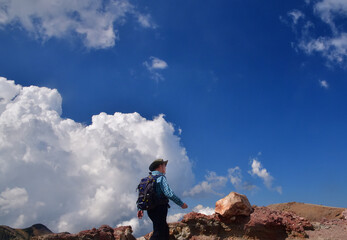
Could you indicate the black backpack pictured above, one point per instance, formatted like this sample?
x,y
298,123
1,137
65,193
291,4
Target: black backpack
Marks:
x,y
147,198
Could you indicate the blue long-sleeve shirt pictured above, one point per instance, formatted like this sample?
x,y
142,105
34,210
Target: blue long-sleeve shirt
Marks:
x,y
163,188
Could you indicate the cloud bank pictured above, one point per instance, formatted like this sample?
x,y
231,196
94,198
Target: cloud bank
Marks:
x,y
332,44
91,20
70,176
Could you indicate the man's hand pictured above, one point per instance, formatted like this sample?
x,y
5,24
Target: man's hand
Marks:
x,y
140,214
184,206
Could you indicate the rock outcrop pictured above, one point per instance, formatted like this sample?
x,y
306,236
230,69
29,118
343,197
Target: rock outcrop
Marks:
x,y
263,224
236,219
233,205
105,232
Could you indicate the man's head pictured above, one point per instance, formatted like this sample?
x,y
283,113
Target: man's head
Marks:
x,y
158,165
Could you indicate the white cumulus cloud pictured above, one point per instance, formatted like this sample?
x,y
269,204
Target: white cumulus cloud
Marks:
x,y
71,176
94,21
212,183
12,199
175,217
259,171
204,210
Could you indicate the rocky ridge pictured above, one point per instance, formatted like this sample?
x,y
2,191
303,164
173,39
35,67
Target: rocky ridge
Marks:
x,y
234,219
27,233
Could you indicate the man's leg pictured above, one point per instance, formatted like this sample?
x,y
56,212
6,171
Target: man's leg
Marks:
x,y
160,227
152,214
163,228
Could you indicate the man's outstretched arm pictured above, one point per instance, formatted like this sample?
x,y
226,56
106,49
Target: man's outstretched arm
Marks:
x,y
164,186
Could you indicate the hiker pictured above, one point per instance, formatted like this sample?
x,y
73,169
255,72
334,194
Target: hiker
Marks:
x,y
164,193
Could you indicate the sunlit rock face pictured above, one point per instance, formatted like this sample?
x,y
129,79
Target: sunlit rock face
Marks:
x,y
234,204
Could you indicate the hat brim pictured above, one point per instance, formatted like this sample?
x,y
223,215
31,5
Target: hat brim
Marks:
x,y
155,165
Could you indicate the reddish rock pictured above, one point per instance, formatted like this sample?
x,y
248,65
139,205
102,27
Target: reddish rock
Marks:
x,y
263,224
269,224
234,204
105,232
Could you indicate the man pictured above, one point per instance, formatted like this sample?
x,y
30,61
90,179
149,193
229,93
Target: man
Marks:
x,y
164,193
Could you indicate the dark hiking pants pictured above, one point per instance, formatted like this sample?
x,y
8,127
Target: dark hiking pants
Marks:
x,y
160,227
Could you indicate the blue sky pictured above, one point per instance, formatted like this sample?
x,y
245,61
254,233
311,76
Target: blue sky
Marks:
x,y
239,80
